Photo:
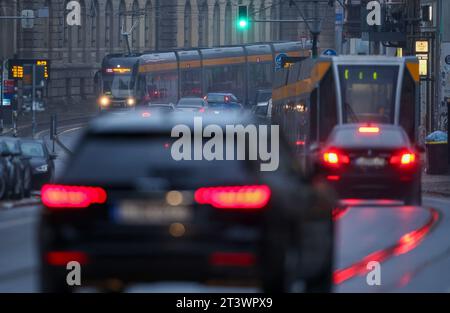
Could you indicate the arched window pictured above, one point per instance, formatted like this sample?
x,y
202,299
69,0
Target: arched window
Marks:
x,y
122,23
251,28
274,32
262,26
149,24
109,25
187,25
94,15
228,23
203,25
216,24
135,23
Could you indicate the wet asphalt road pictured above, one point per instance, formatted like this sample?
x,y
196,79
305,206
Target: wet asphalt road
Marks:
x,y
412,245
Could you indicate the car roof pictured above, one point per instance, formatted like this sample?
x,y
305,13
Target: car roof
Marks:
x,y
158,123
193,98
221,93
32,140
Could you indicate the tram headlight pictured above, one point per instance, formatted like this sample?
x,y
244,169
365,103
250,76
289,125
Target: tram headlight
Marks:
x,y
131,102
104,101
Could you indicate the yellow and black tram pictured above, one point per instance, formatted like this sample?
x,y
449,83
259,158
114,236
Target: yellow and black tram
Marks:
x,y
242,70
312,96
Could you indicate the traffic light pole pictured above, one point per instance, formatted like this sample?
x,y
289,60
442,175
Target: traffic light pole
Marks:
x,y
33,99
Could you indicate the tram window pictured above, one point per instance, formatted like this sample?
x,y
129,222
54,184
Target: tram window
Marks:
x,y
368,93
226,78
408,106
162,87
191,83
259,77
327,106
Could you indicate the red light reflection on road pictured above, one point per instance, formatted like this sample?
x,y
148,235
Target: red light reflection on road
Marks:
x,y
405,244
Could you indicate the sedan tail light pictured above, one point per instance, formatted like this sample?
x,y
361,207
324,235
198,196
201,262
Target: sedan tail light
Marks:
x,y
234,197
405,158
71,197
335,158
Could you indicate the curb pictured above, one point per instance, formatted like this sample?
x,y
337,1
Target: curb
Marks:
x,y
9,205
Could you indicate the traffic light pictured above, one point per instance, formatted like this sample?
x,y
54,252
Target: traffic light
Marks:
x,y
242,21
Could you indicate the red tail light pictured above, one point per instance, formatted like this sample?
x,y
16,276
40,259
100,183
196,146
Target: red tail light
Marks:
x,y
202,110
146,114
62,258
234,197
232,259
62,196
335,158
403,159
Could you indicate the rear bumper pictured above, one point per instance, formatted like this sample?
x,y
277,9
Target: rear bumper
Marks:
x,y
166,262
372,186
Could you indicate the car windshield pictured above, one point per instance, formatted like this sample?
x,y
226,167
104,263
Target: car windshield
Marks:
x,y
118,85
32,149
12,146
264,96
352,138
261,110
190,103
368,95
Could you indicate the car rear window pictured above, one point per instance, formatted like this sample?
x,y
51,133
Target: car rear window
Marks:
x,y
190,103
216,98
33,149
127,159
386,138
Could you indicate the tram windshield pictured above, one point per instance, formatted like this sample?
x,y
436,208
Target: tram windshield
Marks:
x,y
368,93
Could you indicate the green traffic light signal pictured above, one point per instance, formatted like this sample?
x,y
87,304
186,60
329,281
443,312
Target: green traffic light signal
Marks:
x,y
242,17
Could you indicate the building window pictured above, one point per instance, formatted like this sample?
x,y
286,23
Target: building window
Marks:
x,y
109,22
203,25
149,26
228,23
187,25
216,24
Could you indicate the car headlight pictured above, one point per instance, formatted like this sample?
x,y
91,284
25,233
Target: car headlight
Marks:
x,y
104,101
131,102
42,168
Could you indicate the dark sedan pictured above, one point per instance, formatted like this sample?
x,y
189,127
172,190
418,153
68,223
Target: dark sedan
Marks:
x,y
371,162
41,161
128,210
22,164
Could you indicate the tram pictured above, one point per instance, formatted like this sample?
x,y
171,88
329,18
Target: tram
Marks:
x,y
114,83
165,77
312,96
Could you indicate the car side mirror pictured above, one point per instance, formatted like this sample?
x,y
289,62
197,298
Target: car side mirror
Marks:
x,y
53,156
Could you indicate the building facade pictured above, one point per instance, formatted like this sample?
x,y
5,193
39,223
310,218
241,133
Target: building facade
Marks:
x,y
76,51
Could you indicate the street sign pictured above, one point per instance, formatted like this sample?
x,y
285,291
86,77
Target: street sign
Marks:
x,y
27,19
330,52
422,46
279,60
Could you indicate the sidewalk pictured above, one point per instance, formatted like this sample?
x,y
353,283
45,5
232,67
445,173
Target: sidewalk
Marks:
x,y
436,184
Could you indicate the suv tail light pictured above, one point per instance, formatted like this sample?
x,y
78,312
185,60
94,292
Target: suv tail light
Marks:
x,y
72,197
369,129
405,158
234,197
335,158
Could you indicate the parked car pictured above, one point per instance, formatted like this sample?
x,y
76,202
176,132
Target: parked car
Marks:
x,y
22,166
41,161
192,104
8,174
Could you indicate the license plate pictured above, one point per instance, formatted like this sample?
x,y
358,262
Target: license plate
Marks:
x,y
370,162
150,212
